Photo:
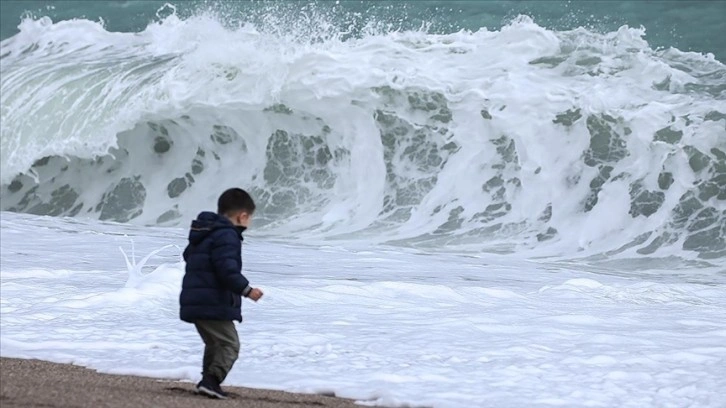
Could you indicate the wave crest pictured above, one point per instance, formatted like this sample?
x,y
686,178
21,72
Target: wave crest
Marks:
x,y
500,139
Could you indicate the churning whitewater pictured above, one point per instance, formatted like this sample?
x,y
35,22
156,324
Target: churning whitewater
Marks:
x,y
519,139
521,216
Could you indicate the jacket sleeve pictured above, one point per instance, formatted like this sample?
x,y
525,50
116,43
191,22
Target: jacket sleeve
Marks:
x,y
227,261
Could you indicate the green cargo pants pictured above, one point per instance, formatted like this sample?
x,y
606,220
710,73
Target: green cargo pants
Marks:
x,y
221,347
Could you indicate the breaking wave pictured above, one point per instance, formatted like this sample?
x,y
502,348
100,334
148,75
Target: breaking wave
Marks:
x,y
521,137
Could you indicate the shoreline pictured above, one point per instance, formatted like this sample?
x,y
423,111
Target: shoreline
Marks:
x,y
38,383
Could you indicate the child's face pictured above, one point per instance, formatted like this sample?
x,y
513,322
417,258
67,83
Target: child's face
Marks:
x,y
242,219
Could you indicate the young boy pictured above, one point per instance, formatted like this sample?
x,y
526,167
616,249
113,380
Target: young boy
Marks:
x,y
213,285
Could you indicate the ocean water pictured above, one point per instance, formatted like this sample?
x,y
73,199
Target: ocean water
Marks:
x,y
508,203
509,139
383,325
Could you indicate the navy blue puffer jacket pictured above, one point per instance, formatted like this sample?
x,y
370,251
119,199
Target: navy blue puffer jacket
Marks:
x,y
213,284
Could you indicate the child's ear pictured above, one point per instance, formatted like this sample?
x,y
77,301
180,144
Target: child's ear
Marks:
x,y
244,217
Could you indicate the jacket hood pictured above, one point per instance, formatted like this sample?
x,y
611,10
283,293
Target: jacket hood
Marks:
x,y
206,223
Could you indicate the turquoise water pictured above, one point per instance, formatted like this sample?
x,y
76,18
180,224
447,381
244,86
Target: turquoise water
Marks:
x,y
684,24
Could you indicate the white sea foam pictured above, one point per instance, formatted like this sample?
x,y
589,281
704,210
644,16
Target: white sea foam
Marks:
x,y
394,327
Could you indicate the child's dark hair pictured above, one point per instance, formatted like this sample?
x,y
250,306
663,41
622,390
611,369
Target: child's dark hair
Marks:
x,y
233,200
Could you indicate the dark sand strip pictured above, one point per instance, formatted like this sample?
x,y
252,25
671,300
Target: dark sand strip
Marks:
x,y
35,383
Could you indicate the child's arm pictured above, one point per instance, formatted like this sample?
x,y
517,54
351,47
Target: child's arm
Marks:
x,y
227,261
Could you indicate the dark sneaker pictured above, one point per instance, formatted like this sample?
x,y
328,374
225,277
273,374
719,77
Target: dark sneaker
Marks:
x,y
210,387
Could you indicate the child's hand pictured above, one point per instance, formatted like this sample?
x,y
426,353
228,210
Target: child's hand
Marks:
x,y
255,294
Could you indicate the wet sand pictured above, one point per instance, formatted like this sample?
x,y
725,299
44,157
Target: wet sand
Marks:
x,y
35,383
